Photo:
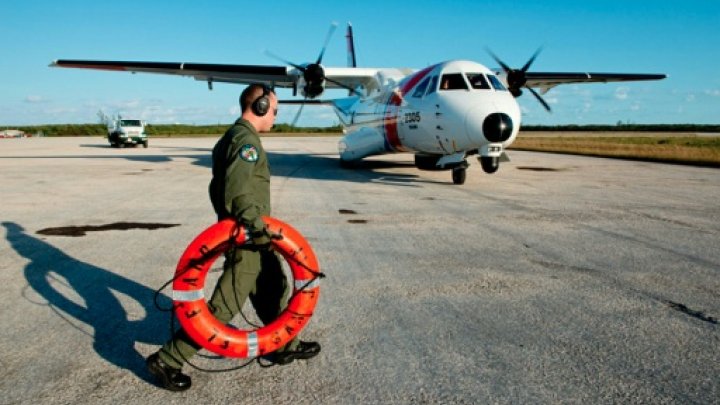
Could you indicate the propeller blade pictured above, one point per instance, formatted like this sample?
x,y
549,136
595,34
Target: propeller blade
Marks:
x,y
333,26
532,59
539,98
352,91
502,64
297,116
285,61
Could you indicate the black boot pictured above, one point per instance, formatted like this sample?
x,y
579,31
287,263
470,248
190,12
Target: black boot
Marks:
x,y
170,378
304,351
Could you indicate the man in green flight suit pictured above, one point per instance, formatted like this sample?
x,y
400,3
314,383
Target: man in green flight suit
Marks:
x,y
240,188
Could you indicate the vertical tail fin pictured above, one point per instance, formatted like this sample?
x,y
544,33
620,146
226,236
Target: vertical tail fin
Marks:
x,y
352,62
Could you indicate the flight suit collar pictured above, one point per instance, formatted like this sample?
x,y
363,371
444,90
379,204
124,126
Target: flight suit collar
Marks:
x,y
242,121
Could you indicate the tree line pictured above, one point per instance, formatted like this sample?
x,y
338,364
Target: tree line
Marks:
x,y
181,129
57,130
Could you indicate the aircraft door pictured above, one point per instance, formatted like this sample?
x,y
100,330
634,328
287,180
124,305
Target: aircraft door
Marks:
x,y
435,125
419,117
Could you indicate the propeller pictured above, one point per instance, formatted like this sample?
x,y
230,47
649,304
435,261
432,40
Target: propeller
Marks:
x,y
313,74
517,78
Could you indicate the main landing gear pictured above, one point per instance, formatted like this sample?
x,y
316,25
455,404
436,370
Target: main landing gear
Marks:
x,y
458,175
489,165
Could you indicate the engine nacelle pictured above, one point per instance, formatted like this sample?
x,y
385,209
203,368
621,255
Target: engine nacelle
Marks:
x,y
363,142
313,89
312,83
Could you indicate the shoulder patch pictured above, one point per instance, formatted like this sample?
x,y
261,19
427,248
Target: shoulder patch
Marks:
x,y
249,153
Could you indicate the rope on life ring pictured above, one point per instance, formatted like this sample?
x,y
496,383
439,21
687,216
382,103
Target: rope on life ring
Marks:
x,y
201,325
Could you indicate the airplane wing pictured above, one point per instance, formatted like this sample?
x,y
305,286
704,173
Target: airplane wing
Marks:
x,y
280,76
548,80
274,76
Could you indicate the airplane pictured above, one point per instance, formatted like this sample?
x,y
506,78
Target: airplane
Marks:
x,y
442,113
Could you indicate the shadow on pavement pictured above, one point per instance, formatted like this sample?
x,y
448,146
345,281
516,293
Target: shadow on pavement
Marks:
x,y
114,335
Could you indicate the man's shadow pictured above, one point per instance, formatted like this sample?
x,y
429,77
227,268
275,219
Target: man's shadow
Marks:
x,y
114,335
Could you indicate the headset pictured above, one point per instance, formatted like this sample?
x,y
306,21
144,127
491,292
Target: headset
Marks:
x,y
261,105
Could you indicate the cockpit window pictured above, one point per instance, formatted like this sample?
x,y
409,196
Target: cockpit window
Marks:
x,y
453,81
478,81
420,90
496,83
433,85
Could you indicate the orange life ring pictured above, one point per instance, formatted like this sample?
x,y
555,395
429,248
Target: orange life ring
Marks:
x,y
201,325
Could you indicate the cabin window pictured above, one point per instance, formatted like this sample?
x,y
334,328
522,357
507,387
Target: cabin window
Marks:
x,y
478,81
453,81
130,123
496,83
420,89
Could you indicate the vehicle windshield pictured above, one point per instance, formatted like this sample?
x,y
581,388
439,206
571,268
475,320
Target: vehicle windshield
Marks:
x,y
478,81
496,83
130,123
453,81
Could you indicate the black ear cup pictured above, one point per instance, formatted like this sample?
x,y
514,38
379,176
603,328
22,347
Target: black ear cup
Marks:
x,y
261,105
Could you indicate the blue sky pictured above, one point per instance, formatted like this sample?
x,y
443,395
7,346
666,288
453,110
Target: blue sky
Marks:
x,y
677,38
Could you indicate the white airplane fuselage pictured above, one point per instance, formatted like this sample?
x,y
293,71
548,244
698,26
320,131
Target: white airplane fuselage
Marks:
x,y
422,114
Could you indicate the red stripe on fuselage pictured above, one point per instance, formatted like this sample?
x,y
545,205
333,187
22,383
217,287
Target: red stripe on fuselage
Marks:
x,y
391,109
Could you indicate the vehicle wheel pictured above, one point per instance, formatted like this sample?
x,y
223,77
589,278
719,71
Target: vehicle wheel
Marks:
x,y
121,145
458,175
145,144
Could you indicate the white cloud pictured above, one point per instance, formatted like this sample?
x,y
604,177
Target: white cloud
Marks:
x,y
621,93
35,99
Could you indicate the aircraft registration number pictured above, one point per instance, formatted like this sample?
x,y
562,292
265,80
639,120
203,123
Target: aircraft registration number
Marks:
x,y
411,117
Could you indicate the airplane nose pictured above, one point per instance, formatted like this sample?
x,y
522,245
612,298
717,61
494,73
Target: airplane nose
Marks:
x,y
497,127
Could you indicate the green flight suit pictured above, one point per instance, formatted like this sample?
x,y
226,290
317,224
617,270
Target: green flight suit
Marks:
x,y
240,188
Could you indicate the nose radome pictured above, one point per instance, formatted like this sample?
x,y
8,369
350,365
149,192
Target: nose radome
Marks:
x,y
497,127
483,126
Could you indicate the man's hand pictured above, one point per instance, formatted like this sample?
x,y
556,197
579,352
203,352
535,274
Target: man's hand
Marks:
x,y
262,240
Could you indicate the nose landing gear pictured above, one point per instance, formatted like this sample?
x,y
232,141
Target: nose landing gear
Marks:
x,y
490,164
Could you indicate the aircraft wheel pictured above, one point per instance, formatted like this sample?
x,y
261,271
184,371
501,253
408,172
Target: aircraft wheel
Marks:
x,y
489,164
458,175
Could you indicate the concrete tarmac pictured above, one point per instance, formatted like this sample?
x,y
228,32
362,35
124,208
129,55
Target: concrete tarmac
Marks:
x,y
559,279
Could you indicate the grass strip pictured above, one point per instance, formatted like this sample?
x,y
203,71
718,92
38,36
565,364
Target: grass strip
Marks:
x,y
695,150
